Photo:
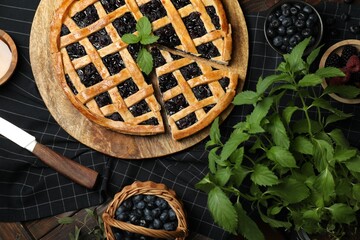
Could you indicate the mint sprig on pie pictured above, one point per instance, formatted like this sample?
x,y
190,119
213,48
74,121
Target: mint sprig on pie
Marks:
x,y
101,50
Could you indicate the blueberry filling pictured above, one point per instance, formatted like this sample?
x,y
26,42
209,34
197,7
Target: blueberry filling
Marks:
x,y
190,71
151,121
127,88
194,25
125,24
64,30
176,104
113,63
115,117
208,107
103,99
112,5
139,109
167,81
134,49
75,50
100,39
175,57
224,82
167,36
208,50
153,10
86,17
180,3
214,17
159,60
70,84
89,76
186,121
202,91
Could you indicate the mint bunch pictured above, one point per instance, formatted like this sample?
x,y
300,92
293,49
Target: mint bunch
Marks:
x,y
286,160
144,37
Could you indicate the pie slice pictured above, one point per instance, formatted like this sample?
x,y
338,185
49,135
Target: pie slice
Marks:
x,y
98,71
193,92
197,27
100,76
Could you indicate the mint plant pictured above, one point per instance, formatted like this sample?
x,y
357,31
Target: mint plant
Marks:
x,y
84,232
285,160
144,37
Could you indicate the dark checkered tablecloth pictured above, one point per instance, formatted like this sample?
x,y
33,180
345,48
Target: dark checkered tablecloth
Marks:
x,y
30,190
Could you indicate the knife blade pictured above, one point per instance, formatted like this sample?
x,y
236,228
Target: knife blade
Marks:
x,y
74,171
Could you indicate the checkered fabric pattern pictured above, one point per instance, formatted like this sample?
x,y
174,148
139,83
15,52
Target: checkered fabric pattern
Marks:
x,y
30,190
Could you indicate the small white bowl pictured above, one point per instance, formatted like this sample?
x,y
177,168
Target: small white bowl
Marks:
x,y
8,41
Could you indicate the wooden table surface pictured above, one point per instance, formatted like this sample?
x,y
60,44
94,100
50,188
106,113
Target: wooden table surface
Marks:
x,y
49,229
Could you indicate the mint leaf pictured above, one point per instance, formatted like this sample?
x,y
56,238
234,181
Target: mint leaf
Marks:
x,y
281,156
342,213
275,223
323,153
238,175
247,227
295,57
236,138
143,26
66,220
329,72
246,97
325,185
342,155
310,80
222,176
263,176
338,137
130,38
291,191
205,184
356,191
353,164
332,118
313,55
288,113
303,145
215,132
225,216
145,61
263,84
213,158
278,132
345,91
148,39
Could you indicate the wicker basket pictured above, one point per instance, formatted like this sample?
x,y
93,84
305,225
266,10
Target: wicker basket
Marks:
x,y
146,188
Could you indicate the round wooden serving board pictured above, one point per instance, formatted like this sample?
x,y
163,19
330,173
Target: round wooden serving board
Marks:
x,y
97,137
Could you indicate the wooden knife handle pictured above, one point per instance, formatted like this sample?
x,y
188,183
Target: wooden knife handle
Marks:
x,y
69,168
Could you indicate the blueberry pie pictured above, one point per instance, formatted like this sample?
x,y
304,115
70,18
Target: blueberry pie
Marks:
x,y
100,76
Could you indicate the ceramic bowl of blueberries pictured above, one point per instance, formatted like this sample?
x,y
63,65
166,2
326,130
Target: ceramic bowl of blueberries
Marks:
x,y
289,22
344,55
145,210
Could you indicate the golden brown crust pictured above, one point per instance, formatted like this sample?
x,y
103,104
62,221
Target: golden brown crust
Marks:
x,y
67,69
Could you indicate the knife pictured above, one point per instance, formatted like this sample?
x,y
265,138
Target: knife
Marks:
x,y
74,171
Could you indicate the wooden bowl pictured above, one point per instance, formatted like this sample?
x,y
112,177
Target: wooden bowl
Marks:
x,y
8,41
145,188
337,48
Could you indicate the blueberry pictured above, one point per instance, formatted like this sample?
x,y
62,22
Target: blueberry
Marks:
x,y
286,22
302,16
172,215
140,205
294,10
306,32
171,226
123,217
156,212
275,23
149,198
309,23
161,203
164,216
127,204
278,41
300,23
307,9
281,30
291,30
138,198
157,223
270,32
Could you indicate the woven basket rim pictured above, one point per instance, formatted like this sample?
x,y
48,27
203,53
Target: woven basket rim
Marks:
x,y
146,188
